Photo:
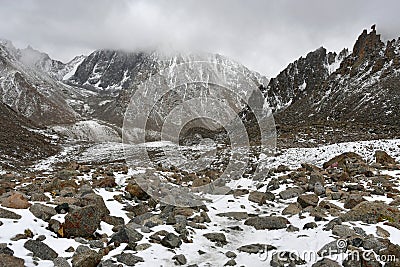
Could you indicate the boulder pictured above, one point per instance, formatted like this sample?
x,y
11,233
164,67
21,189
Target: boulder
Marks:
x,y
67,174
261,197
353,200
325,262
292,209
7,214
42,211
268,222
94,200
39,197
384,158
319,189
291,193
382,232
308,200
373,212
218,238
343,231
340,161
127,234
129,259
316,177
236,215
230,254
179,259
201,181
61,262
351,163
256,248
89,258
334,247
310,225
40,250
81,222
171,241
230,262
136,191
286,258
16,201
8,260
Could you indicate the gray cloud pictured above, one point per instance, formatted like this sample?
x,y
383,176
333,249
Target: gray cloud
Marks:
x,y
264,35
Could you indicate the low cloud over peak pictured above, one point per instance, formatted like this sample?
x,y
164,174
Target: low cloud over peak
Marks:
x,y
264,35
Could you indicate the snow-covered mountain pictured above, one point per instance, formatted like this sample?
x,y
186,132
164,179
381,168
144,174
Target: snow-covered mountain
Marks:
x,y
27,86
361,86
94,91
87,97
115,75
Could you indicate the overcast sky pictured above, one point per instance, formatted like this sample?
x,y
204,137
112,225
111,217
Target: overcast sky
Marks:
x,y
263,35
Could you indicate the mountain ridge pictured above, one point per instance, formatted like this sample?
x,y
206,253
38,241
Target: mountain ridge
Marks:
x,y
364,88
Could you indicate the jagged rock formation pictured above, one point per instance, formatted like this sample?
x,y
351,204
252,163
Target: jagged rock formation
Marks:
x,y
364,88
302,76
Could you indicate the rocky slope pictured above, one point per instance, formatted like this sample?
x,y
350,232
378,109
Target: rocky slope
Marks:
x,y
21,141
358,87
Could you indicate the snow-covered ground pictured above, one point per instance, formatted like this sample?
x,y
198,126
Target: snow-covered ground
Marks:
x,y
305,243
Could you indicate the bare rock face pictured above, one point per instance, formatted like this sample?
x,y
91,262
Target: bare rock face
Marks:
x,y
16,201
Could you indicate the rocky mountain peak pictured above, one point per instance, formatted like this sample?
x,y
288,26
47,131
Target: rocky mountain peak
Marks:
x,y
303,75
367,43
361,86
367,54
111,69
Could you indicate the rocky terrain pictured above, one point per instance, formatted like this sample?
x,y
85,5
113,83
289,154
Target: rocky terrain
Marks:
x,y
313,207
20,145
72,194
